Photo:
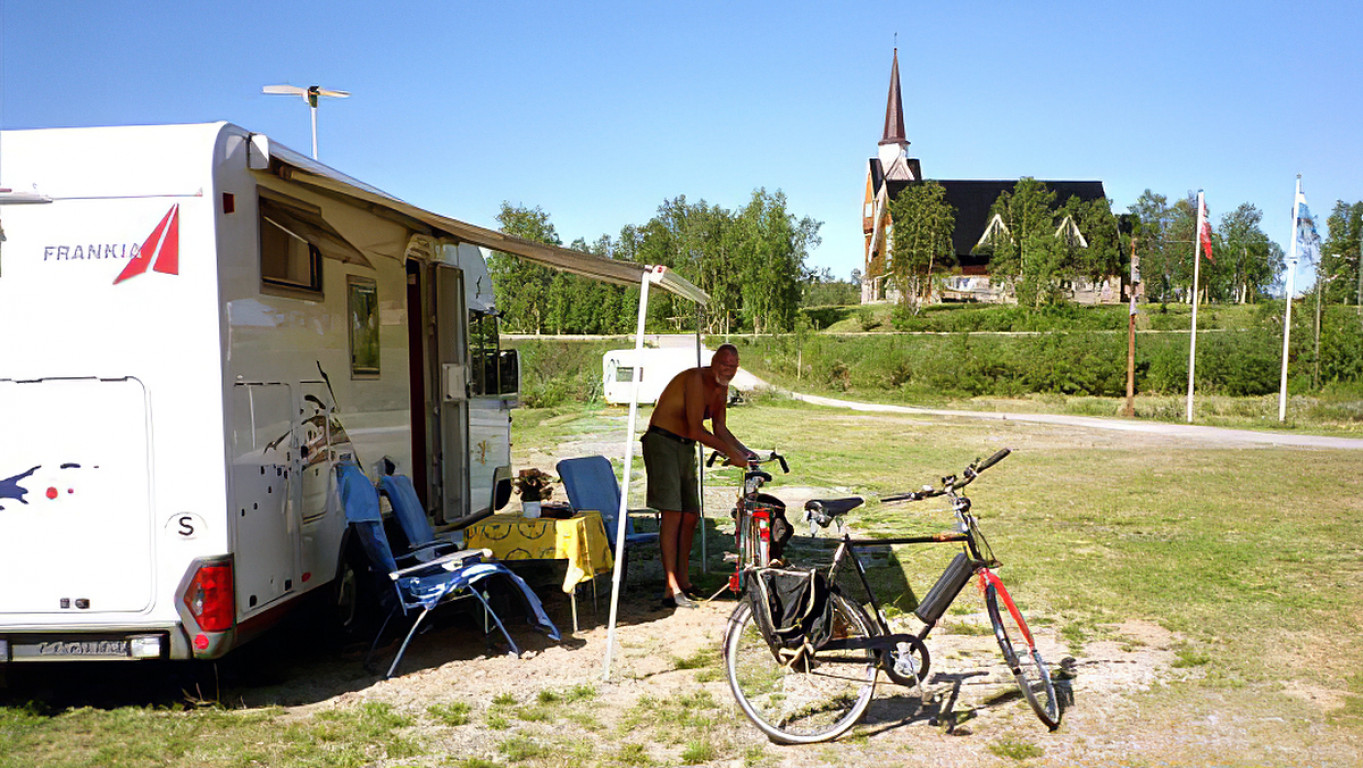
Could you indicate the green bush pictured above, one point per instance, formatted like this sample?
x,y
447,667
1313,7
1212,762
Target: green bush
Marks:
x,y
1076,364
1341,345
902,318
1238,364
1235,363
968,318
839,376
822,317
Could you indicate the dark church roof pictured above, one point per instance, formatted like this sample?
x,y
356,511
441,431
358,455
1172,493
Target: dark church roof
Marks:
x,y
973,199
878,174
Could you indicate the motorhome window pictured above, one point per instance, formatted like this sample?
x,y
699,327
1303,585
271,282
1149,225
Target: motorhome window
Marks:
x,y
294,238
363,312
287,258
483,352
510,378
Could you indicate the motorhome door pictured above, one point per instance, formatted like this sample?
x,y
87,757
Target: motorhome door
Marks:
x,y
450,393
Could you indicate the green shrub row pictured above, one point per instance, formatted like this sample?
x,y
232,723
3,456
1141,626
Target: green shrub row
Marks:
x,y
976,318
1236,363
1245,361
963,319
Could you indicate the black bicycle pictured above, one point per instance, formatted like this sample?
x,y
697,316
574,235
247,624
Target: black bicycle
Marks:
x,y
817,695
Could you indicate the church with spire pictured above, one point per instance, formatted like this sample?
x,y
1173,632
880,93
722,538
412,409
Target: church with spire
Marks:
x,y
891,171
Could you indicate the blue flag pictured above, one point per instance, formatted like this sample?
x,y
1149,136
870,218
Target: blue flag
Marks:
x,y
1308,240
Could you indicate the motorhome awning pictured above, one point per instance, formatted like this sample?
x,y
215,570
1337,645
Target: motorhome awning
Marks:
x,y
309,227
300,169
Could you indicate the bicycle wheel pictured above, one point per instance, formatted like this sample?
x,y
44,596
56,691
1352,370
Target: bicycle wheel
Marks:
x,y
805,702
1019,651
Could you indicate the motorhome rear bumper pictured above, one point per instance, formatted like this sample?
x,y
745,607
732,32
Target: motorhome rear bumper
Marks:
x,y
131,644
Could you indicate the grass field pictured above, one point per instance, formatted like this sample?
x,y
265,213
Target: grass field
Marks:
x,y
1253,556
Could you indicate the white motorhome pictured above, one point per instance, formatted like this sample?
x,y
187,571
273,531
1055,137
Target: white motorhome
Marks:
x,y
196,324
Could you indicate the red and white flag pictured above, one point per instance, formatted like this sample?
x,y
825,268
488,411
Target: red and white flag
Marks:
x,y
1204,228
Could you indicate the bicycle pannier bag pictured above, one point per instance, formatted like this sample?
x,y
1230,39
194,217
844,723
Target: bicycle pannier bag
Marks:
x,y
793,608
946,589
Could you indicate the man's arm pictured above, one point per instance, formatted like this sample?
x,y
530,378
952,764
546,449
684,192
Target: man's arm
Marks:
x,y
718,420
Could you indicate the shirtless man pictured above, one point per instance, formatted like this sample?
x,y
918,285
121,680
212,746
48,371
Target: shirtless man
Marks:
x,y
669,448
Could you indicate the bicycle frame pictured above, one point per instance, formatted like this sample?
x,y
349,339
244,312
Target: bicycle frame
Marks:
x,y
753,534
850,545
988,578
752,523
979,563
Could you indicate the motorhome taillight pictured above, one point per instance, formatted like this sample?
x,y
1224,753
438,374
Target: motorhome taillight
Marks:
x,y
210,598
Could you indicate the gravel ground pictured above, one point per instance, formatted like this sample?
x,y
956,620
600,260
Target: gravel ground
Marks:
x,y
667,702
971,715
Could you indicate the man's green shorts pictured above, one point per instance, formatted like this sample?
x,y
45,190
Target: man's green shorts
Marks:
x,y
671,467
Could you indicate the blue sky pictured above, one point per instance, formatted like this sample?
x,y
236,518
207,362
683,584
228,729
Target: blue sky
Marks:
x,y
597,112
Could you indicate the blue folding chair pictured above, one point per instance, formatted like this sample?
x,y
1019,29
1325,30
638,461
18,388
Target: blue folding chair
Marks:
x,y
411,516
590,483
429,584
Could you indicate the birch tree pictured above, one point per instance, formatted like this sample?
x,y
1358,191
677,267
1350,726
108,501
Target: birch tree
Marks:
x,y
921,240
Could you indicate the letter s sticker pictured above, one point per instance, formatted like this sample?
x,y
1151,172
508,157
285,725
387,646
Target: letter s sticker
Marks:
x,y
185,526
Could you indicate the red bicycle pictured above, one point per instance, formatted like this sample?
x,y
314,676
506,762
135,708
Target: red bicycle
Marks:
x,y
760,526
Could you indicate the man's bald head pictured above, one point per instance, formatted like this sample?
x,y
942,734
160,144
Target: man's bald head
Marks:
x,y
724,363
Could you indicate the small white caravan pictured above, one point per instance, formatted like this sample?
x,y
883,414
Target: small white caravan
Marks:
x,y
196,324
656,369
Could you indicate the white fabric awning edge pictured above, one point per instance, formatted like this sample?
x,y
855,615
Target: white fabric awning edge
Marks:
x,y
301,169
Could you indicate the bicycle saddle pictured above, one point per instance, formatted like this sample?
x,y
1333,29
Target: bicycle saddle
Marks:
x,y
832,508
821,513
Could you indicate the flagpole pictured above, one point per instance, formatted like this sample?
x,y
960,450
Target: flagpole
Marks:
x,y
1197,269
1287,313
1131,333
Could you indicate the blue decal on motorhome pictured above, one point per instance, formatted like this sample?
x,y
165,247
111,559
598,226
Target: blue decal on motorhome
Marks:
x,y
10,488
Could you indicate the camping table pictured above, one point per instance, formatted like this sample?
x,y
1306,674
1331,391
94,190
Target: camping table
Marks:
x,y
580,540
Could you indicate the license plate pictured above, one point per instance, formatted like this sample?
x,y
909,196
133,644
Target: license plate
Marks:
x,y
58,650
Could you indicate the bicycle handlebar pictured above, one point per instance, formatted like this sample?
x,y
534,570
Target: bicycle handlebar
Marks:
x,y
926,493
992,460
773,456
951,482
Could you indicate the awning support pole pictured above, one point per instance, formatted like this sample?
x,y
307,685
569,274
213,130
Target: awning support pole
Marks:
x,y
700,464
624,484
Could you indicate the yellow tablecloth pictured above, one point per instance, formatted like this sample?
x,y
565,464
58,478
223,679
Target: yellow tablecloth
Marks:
x,y
581,540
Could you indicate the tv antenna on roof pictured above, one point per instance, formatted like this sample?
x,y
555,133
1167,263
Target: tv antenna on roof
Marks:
x,y
310,95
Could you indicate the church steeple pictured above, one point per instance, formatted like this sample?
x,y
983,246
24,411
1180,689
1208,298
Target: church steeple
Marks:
x,y
893,152
894,109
